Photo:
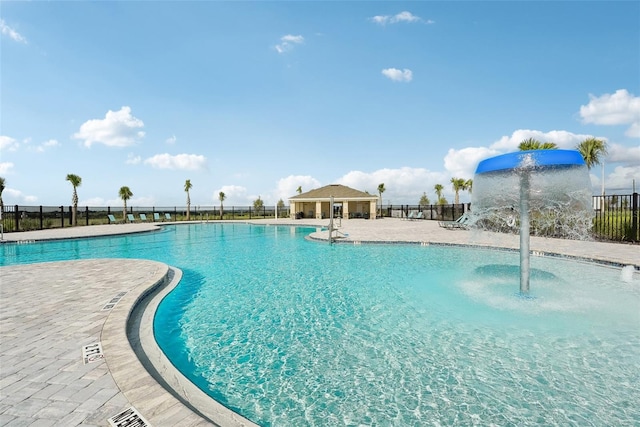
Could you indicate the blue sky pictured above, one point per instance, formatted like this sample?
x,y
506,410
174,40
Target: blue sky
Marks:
x,y
258,98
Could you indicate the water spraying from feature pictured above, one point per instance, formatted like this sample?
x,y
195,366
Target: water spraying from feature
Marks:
x,y
544,191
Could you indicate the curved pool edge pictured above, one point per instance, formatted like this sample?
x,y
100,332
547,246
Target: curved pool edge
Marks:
x,y
143,373
424,233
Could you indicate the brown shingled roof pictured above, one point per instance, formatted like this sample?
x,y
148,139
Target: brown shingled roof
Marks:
x,y
336,190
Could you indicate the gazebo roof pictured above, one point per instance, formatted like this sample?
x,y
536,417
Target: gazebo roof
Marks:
x,y
336,190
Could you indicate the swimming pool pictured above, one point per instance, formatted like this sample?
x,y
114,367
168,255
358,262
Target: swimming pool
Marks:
x,y
292,332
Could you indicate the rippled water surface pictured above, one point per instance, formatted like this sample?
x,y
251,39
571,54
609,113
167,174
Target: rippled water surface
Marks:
x,y
290,332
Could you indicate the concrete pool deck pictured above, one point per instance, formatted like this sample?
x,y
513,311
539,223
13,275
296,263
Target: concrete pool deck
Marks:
x,y
50,311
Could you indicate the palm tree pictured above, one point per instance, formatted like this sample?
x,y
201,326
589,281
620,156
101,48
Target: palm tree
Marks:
x,y
381,190
2,186
592,151
458,184
187,187
75,180
221,197
469,185
299,189
125,194
438,188
534,144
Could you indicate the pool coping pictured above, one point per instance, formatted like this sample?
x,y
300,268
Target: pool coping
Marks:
x,y
140,333
534,253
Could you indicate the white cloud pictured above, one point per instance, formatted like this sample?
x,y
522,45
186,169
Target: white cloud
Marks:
x,y
562,138
12,196
179,161
288,42
620,154
622,178
400,17
117,129
286,187
463,163
397,75
13,34
5,167
234,195
633,131
402,186
171,140
132,159
8,143
47,144
620,108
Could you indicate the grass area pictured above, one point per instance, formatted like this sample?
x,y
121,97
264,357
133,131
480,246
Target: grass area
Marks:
x,y
615,226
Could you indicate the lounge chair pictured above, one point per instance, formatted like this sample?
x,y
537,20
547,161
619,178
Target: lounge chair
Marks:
x,y
156,216
143,217
112,219
458,224
167,216
420,215
411,215
131,218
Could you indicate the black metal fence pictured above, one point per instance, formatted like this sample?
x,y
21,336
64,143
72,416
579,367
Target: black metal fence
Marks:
x,y
26,218
616,216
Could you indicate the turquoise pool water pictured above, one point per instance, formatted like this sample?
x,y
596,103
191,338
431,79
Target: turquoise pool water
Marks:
x,y
296,333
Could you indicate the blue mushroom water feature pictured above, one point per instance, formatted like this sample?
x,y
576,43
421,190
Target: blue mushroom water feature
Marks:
x,y
544,191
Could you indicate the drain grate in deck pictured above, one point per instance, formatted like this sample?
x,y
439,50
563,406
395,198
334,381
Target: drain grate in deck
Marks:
x,y
92,353
113,301
128,418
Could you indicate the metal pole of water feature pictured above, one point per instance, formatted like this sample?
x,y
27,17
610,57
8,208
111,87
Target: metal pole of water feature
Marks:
x,y
525,238
330,219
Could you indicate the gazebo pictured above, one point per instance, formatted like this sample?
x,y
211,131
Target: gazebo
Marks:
x,y
348,203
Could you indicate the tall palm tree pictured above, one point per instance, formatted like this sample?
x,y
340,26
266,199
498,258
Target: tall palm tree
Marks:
x,y
187,187
125,194
75,180
221,197
438,188
381,190
299,189
469,185
592,151
458,184
2,186
534,144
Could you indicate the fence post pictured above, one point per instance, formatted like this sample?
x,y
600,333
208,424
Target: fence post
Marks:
x,y
634,216
41,219
86,213
62,216
70,216
16,215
